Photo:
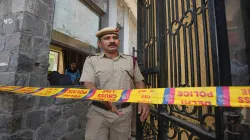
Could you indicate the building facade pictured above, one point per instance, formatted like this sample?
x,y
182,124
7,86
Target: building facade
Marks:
x,y
181,43
77,21
41,35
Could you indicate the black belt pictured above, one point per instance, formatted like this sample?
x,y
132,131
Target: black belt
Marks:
x,y
102,106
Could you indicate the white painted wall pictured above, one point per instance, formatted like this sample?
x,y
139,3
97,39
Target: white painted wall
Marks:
x,y
132,5
126,31
112,13
114,16
132,33
76,20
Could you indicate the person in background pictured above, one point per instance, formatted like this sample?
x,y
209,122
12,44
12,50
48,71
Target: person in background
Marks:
x,y
239,68
73,73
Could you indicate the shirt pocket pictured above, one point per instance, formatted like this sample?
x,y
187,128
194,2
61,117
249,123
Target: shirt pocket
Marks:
x,y
102,75
127,74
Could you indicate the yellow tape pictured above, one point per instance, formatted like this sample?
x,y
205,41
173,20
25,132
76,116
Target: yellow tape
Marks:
x,y
200,96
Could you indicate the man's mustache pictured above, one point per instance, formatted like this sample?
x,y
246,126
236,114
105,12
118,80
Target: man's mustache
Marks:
x,y
112,44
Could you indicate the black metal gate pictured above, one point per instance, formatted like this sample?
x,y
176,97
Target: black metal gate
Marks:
x,y
178,47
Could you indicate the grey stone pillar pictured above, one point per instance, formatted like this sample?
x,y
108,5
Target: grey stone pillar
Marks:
x,y
25,33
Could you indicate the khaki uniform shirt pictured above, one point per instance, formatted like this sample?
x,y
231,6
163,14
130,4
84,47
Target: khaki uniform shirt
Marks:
x,y
107,73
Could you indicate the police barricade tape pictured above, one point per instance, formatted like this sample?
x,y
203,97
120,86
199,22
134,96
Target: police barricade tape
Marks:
x,y
201,96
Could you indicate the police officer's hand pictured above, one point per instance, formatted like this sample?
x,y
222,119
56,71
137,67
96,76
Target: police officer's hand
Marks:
x,y
143,109
112,108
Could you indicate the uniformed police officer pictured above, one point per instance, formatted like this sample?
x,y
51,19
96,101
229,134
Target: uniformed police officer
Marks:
x,y
111,70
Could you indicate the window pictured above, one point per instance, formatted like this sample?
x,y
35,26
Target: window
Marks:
x,y
53,60
237,41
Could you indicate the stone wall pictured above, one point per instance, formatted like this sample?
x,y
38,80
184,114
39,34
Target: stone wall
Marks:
x,y
25,35
41,118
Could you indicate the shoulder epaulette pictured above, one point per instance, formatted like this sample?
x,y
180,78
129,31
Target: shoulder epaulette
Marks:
x,y
97,54
126,54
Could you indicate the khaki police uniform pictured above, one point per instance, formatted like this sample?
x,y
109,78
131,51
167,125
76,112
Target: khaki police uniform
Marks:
x,y
107,73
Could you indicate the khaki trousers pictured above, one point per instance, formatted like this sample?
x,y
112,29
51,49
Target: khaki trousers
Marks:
x,y
106,125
